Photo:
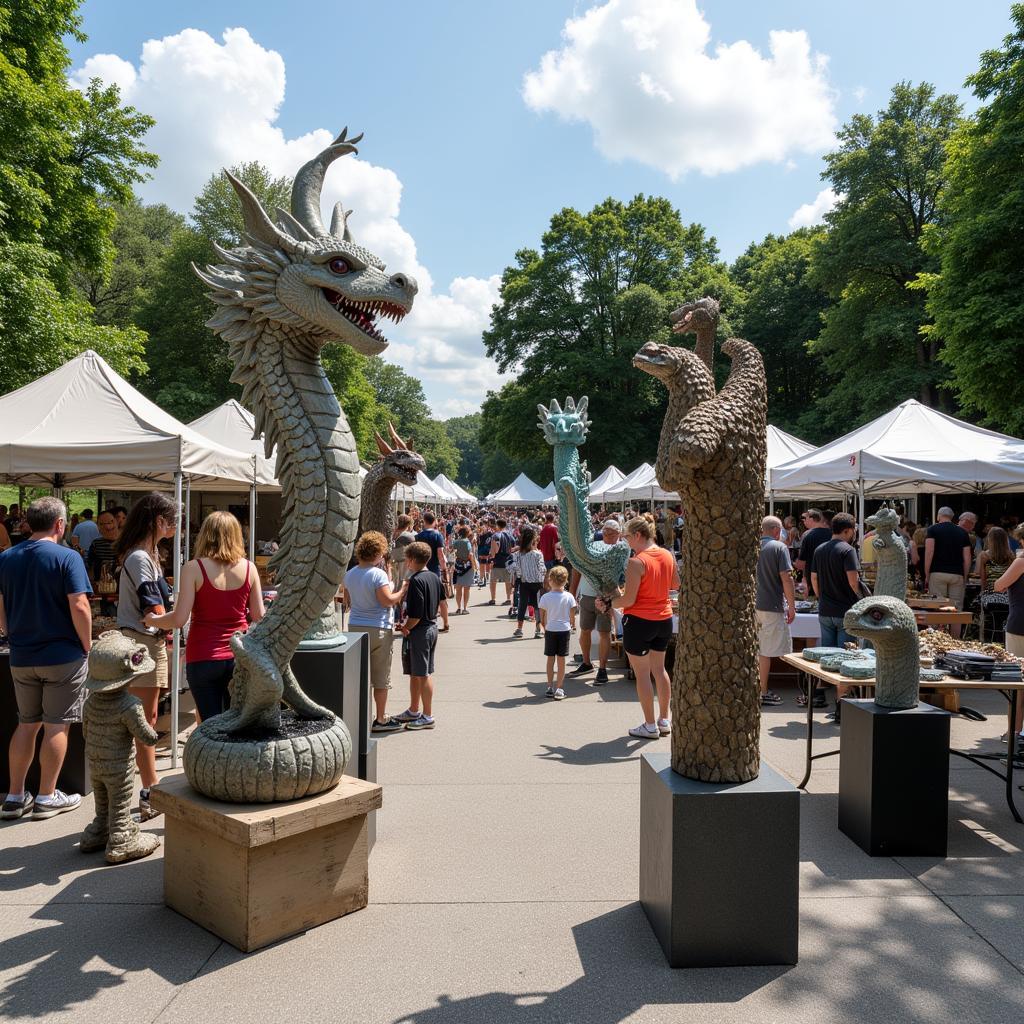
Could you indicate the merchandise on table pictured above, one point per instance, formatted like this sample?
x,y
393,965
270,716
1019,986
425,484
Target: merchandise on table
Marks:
x,y
817,653
935,642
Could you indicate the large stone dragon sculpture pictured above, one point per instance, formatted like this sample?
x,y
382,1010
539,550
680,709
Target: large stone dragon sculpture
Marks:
x,y
397,465
712,451
565,430
294,287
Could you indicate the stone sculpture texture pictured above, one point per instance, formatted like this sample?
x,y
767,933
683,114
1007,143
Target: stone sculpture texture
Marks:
x,y
891,554
397,465
565,430
112,721
890,625
712,451
293,288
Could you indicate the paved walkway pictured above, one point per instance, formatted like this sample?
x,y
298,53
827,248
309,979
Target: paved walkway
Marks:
x,y
504,889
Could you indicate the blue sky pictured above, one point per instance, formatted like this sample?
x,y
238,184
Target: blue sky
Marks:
x,y
460,167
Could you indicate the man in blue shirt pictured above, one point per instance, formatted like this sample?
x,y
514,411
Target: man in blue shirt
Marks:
x,y
86,532
438,564
44,609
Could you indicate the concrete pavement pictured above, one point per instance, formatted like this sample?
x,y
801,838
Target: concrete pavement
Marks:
x,y
504,888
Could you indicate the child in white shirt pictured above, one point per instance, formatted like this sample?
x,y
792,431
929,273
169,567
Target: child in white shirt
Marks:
x,y
557,610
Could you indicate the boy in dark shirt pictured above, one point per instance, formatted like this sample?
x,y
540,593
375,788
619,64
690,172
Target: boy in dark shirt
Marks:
x,y
437,563
817,533
424,599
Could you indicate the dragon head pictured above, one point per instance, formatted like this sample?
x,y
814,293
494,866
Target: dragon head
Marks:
x,y
880,619
400,462
295,271
884,519
564,427
661,361
701,314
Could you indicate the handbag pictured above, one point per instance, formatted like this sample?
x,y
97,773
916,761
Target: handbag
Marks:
x,y
449,590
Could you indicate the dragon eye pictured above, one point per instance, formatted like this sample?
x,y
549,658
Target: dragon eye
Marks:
x,y
338,266
877,615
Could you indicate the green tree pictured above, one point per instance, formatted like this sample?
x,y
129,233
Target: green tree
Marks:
x,y
977,296
888,171
780,313
401,401
216,213
464,433
65,157
572,316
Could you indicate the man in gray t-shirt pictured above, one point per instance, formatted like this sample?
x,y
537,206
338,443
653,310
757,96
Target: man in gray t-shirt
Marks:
x,y
776,602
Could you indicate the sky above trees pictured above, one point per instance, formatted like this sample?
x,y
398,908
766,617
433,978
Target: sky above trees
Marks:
x,y
484,119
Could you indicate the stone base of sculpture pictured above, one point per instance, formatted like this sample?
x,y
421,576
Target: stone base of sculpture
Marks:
x,y
254,874
719,866
894,779
301,758
324,633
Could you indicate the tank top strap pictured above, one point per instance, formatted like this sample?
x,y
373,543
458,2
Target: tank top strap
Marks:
x,y
202,569
247,587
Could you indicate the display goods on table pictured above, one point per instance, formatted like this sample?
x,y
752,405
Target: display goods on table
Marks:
x,y
396,465
712,451
294,287
565,430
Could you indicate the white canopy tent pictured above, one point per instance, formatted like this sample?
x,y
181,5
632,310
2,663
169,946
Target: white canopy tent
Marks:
x,y
232,425
83,425
522,491
550,496
909,450
611,478
446,484
423,490
641,485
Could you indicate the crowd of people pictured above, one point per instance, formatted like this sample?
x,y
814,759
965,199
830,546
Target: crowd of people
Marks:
x,y
399,589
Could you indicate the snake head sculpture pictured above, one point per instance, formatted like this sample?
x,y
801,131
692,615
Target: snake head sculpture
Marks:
x,y
399,462
890,625
297,272
564,427
884,521
691,317
661,361
882,620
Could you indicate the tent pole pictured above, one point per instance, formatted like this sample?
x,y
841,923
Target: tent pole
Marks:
x,y
934,502
187,539
252,523
771,503
176,635
860,507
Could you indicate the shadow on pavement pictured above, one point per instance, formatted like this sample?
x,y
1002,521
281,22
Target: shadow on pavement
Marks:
x,y
622,748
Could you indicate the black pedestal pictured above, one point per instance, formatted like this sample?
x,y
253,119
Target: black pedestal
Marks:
x,y
894,779
339,679
719,866
74,775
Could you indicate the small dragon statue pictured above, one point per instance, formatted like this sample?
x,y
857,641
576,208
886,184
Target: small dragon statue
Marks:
x,y
565,430
397,465
700,318
294,287
712,452
890,625
891,553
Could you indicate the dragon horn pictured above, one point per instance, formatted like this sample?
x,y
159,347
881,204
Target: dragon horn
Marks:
x,y
399,443
310,180
257,224
555,407
339,222
382,446
570,403
581,408
289,223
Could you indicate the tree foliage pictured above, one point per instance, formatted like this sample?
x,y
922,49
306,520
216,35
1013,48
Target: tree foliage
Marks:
x,y
464,433
888,172
977,296
217,214
573,314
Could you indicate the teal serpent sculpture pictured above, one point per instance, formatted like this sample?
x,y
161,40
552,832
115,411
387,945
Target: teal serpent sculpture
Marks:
x,y
565,430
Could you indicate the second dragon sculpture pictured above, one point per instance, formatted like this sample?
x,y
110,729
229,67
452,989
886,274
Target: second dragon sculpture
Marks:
x,y
294,287
565,430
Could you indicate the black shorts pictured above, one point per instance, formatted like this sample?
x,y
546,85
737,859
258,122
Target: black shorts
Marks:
x,y
556,644
642,635
418,651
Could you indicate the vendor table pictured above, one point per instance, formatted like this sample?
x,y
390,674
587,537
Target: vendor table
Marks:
x,y
813,673
940,618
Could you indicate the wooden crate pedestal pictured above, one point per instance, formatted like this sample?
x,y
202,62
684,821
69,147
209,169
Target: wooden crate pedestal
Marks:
x,y
256,873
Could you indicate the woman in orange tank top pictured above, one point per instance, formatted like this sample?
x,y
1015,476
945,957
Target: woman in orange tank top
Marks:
x,y
647,622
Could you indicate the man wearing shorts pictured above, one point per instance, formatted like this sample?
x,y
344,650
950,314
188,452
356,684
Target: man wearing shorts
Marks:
x,y
44,609
947,560
502,544
591,618
776,603
423,600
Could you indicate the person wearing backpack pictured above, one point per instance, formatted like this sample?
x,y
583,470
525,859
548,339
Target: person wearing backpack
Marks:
x,y
501,551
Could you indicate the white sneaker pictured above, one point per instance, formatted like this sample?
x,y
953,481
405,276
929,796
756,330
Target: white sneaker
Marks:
x,y
58,803
559,694
645,732
664,726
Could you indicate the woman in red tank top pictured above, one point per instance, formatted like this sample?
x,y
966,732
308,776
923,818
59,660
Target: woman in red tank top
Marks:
x,y
220,594
647,622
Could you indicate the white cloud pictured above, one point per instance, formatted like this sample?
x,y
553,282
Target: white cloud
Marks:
x,y
640,73
860,93
814,212
217,104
